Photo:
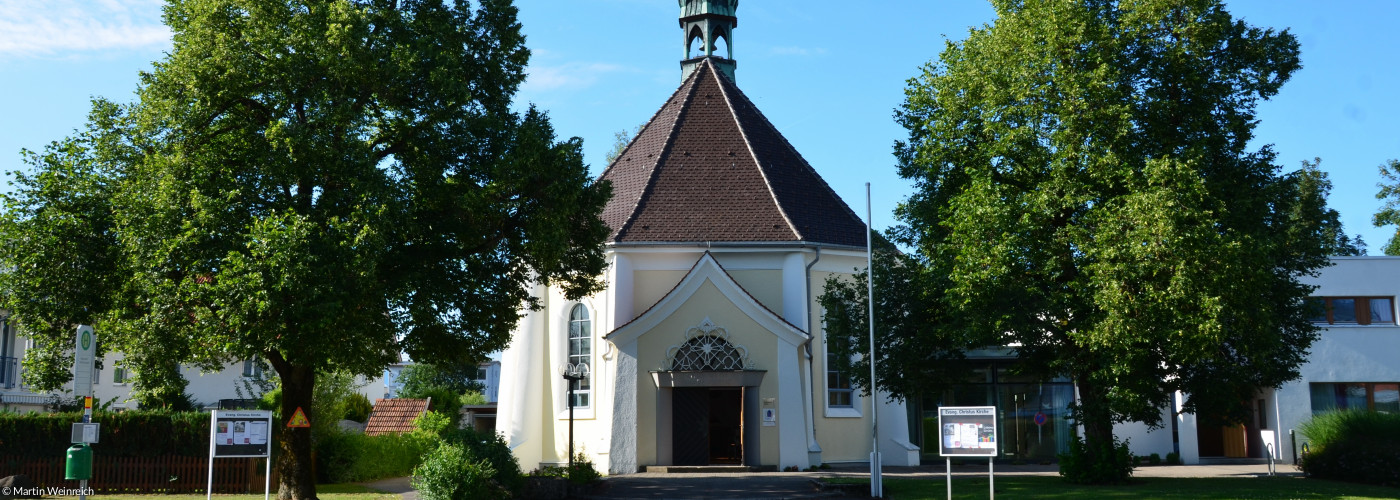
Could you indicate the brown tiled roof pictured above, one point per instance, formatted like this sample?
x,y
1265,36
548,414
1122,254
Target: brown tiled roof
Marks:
x,y
394,415
709,167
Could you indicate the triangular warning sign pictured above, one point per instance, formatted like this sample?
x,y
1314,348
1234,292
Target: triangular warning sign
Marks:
x,y
299,419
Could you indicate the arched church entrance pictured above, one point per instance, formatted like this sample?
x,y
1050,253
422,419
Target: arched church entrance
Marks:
x,y
707,411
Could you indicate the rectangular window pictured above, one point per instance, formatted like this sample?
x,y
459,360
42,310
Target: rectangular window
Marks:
x,y
252,368
1382,397
838,385
1352,310
118,375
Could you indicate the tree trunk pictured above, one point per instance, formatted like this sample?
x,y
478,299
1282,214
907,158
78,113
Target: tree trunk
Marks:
x,y
297,480
1097,420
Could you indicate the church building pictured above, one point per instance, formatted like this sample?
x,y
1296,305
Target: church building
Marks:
x,y
706,347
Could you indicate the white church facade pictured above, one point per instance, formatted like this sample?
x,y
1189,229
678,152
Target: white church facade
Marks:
x,y
706,346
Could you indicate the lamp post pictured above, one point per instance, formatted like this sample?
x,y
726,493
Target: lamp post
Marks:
x,y
572,373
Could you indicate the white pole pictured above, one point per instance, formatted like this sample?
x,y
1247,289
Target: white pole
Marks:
x,y
948,463
991,481
267,473
876,482
213,429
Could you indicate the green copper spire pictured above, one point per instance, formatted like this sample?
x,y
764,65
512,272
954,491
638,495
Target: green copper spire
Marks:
x,y
708,22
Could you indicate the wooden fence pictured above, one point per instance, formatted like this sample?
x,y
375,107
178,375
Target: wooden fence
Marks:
x,y
167,474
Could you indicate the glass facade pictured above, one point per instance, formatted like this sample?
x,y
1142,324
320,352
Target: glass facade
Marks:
x,y
1019,400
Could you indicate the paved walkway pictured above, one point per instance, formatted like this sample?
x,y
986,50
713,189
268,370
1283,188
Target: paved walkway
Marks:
x,y
796,485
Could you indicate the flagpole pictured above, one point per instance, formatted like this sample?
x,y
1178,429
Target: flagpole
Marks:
x,y
876,482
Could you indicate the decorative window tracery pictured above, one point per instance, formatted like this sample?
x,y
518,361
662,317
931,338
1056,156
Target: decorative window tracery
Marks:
x,y
706,347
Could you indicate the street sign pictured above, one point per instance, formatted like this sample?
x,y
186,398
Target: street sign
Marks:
x,y
299,419
84,353
968,431
1039,418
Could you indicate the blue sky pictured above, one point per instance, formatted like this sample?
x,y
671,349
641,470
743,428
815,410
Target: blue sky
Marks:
x,y
827,73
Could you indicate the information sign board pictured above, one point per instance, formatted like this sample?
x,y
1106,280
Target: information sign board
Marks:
x,y
84,354
241,433
86,433
967,431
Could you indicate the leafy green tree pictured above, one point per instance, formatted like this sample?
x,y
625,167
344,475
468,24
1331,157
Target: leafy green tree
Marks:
x,y
917,349
621,139
1085,182
319,184
419,379
1389,215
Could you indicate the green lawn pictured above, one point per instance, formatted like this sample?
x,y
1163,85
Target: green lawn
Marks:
x,y
1019,487
323,491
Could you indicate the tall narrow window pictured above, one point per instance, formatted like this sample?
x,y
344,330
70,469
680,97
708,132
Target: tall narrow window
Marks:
x,y
580,353
838,385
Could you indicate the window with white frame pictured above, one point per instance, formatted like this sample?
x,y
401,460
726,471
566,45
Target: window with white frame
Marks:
x,y
580,354
838,384
118,375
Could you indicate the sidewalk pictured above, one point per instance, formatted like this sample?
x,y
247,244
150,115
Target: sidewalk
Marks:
x,y
802,485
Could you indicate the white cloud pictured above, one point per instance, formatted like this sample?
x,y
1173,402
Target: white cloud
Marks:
x,y
41,28
568,76
797,51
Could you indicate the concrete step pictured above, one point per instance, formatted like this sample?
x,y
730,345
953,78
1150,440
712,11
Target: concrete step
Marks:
x,y
710,469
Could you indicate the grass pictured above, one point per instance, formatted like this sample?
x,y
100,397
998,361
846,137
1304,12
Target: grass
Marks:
x,y
1139,489
323,491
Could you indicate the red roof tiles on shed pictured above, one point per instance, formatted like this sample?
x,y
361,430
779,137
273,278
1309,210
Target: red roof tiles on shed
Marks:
x,y
709,167
394,415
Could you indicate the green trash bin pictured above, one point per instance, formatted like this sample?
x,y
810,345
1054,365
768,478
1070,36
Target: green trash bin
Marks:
x,y
79,464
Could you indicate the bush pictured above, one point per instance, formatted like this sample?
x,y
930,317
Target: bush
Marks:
x,y
492,448
136,433
1114,464
1173,458
344,457
1357,446
582,471
450,472
1154,459
357,408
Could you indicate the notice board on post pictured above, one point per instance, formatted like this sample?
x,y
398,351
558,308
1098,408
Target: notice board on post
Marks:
x,y
240,433
967,431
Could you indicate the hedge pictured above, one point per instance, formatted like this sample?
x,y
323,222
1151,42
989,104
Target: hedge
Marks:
x,y
1356,446
138,433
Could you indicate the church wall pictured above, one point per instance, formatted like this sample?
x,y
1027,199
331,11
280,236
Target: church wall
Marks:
x,y
766,286
651,286
762,348
844,434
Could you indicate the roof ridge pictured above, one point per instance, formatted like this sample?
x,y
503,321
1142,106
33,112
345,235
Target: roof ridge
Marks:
x,y
739,124
665,148
802,163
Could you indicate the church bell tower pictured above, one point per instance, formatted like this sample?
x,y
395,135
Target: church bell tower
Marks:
x,y
708,22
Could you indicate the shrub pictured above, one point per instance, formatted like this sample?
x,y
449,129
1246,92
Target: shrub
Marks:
x,y
357,408
1114,464
1173,458
582,470
1357,446
1154,459
474,398
344,457
136,433
450,472
492,448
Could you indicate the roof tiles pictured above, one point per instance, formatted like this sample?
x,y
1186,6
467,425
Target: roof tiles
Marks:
x,y
709,167
394,415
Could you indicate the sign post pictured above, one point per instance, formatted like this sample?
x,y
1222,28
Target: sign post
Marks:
x,y
240,433
968,431
84,355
